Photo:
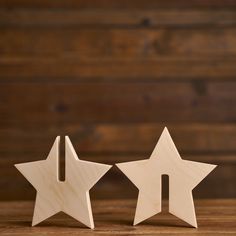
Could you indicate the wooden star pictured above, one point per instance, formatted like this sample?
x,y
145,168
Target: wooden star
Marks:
x,y
184,176
70,196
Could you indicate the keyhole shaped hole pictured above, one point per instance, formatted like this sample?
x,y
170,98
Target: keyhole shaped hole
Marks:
x,y
165,193
61,161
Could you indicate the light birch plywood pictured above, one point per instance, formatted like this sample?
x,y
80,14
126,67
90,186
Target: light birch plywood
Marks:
x,y
70,196
184,176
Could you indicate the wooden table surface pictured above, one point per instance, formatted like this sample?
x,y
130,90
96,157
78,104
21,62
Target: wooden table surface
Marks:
x,y
114,217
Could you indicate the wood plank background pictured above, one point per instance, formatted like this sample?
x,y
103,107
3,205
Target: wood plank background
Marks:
x,y
111,74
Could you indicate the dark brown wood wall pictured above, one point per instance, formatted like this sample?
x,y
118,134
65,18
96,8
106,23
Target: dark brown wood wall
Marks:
x,y
111,75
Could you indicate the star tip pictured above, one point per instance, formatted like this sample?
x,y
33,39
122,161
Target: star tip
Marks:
x,y
118,165
57,140
194,223
195,226
35,221
122,166
109,167
137,220
17,166
67,139
33,224
135,223
91,225
214,166
166,130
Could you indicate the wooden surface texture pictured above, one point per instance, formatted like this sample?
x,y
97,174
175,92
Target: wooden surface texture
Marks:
x,y
115,217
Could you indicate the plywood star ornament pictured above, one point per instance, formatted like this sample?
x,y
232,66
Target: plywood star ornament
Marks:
x,y
70,196
184,176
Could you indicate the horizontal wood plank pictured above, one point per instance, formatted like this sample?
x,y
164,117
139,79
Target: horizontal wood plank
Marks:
x,y
157,69
44,104
108,4
117,18
116,45
119,138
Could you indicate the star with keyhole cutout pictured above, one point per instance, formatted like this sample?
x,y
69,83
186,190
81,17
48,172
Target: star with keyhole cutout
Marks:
x,y
184,176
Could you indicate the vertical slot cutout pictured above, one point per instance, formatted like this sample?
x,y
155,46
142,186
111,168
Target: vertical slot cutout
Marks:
x,y
165,193
61,162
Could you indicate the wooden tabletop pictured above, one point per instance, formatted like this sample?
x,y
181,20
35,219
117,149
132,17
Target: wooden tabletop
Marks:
x,y
114,217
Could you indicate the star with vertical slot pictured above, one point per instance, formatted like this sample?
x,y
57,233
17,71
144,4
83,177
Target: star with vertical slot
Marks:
x,y
184,176
70,196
